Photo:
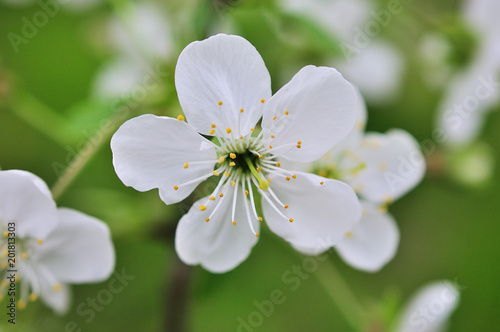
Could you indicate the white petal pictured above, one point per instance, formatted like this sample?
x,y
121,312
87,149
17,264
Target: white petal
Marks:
x,y
217,245
430,308
225,69
322,214
150,152
321,107
35,179
24,200
79,250
372,243
394,165
58,300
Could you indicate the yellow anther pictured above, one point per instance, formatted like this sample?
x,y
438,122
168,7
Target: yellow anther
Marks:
x,y
294,176
24,255
321,183
246,192
252,130
234,222
290,220
260,156
39,241
299,142
262,101
21,305
256,234
180,118
186,165
176,187
213,125
272,136
382,208
220,103
226,174
57,287
278,164
274,117
221,195
286,112
260,218
212,198
6,234
232,155
259,169
207,220
242,110
221,160
348,234
203,207
241,136
287,178
228,130
33,297
212,131
286,206
215,173
270,146
299,146
268,180
233,183
232,163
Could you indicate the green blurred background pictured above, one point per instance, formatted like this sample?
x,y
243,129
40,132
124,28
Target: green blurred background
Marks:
x,y
48,111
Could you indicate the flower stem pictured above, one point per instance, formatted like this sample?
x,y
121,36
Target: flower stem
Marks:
x,y
341,294
85,155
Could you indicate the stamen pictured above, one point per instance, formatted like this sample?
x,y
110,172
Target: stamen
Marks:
x,y
232,156
247,210
234,203
220,103
228,130
180,118
186,165
286,112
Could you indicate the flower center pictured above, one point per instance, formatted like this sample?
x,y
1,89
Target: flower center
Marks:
x,y
18,268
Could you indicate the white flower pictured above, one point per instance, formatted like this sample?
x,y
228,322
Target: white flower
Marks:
x,y
53,247
224,89
380,168
429,309
475,90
